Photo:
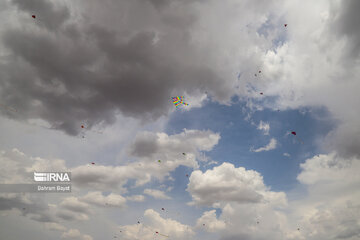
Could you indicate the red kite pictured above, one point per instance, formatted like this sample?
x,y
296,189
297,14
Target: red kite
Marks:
x,y
33,16
294,133
285,25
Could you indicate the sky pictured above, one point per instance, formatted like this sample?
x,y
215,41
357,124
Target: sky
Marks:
x,y
251,72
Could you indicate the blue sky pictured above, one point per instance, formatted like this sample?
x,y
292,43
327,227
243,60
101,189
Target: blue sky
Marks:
x,y
239,135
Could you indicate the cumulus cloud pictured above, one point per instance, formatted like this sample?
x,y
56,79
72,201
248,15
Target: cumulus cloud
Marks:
x,y
154,222
75,234
21,167
326,169
147,144
148,148
98,199
226,183
209,222
157,194
72,209
270,146
55,226
136,198
330,208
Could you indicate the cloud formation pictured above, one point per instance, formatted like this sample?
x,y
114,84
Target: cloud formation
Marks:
x,y
270,146
153,223
157,194
225,183
265,127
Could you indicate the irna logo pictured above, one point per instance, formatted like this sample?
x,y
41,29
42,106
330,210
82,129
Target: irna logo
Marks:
x,y
52,177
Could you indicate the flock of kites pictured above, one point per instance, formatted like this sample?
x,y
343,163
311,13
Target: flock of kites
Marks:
x,y
177,101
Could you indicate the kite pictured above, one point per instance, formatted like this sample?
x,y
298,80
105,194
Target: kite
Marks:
x,y
178,101
259,71
163,209
33,16
285,25
184,154
255,75
159,161
261,93
294,133
187,175
82,126
93,163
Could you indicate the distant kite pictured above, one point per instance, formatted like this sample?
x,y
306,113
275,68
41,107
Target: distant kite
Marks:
x,y
178,101
82,126
294,133
159,161
33,16
184,154
261,93
285,25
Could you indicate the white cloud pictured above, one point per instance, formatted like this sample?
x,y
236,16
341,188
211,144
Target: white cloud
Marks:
x,y
226,183
148,148
157,194
111,200
286,154
153,223
75,235
270,146
265,127
55,226
330,207
330,168
209,222
136,198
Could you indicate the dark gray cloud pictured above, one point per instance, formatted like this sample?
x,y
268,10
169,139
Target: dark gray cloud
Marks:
x,y
49,15
34,207
347,24
74,72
